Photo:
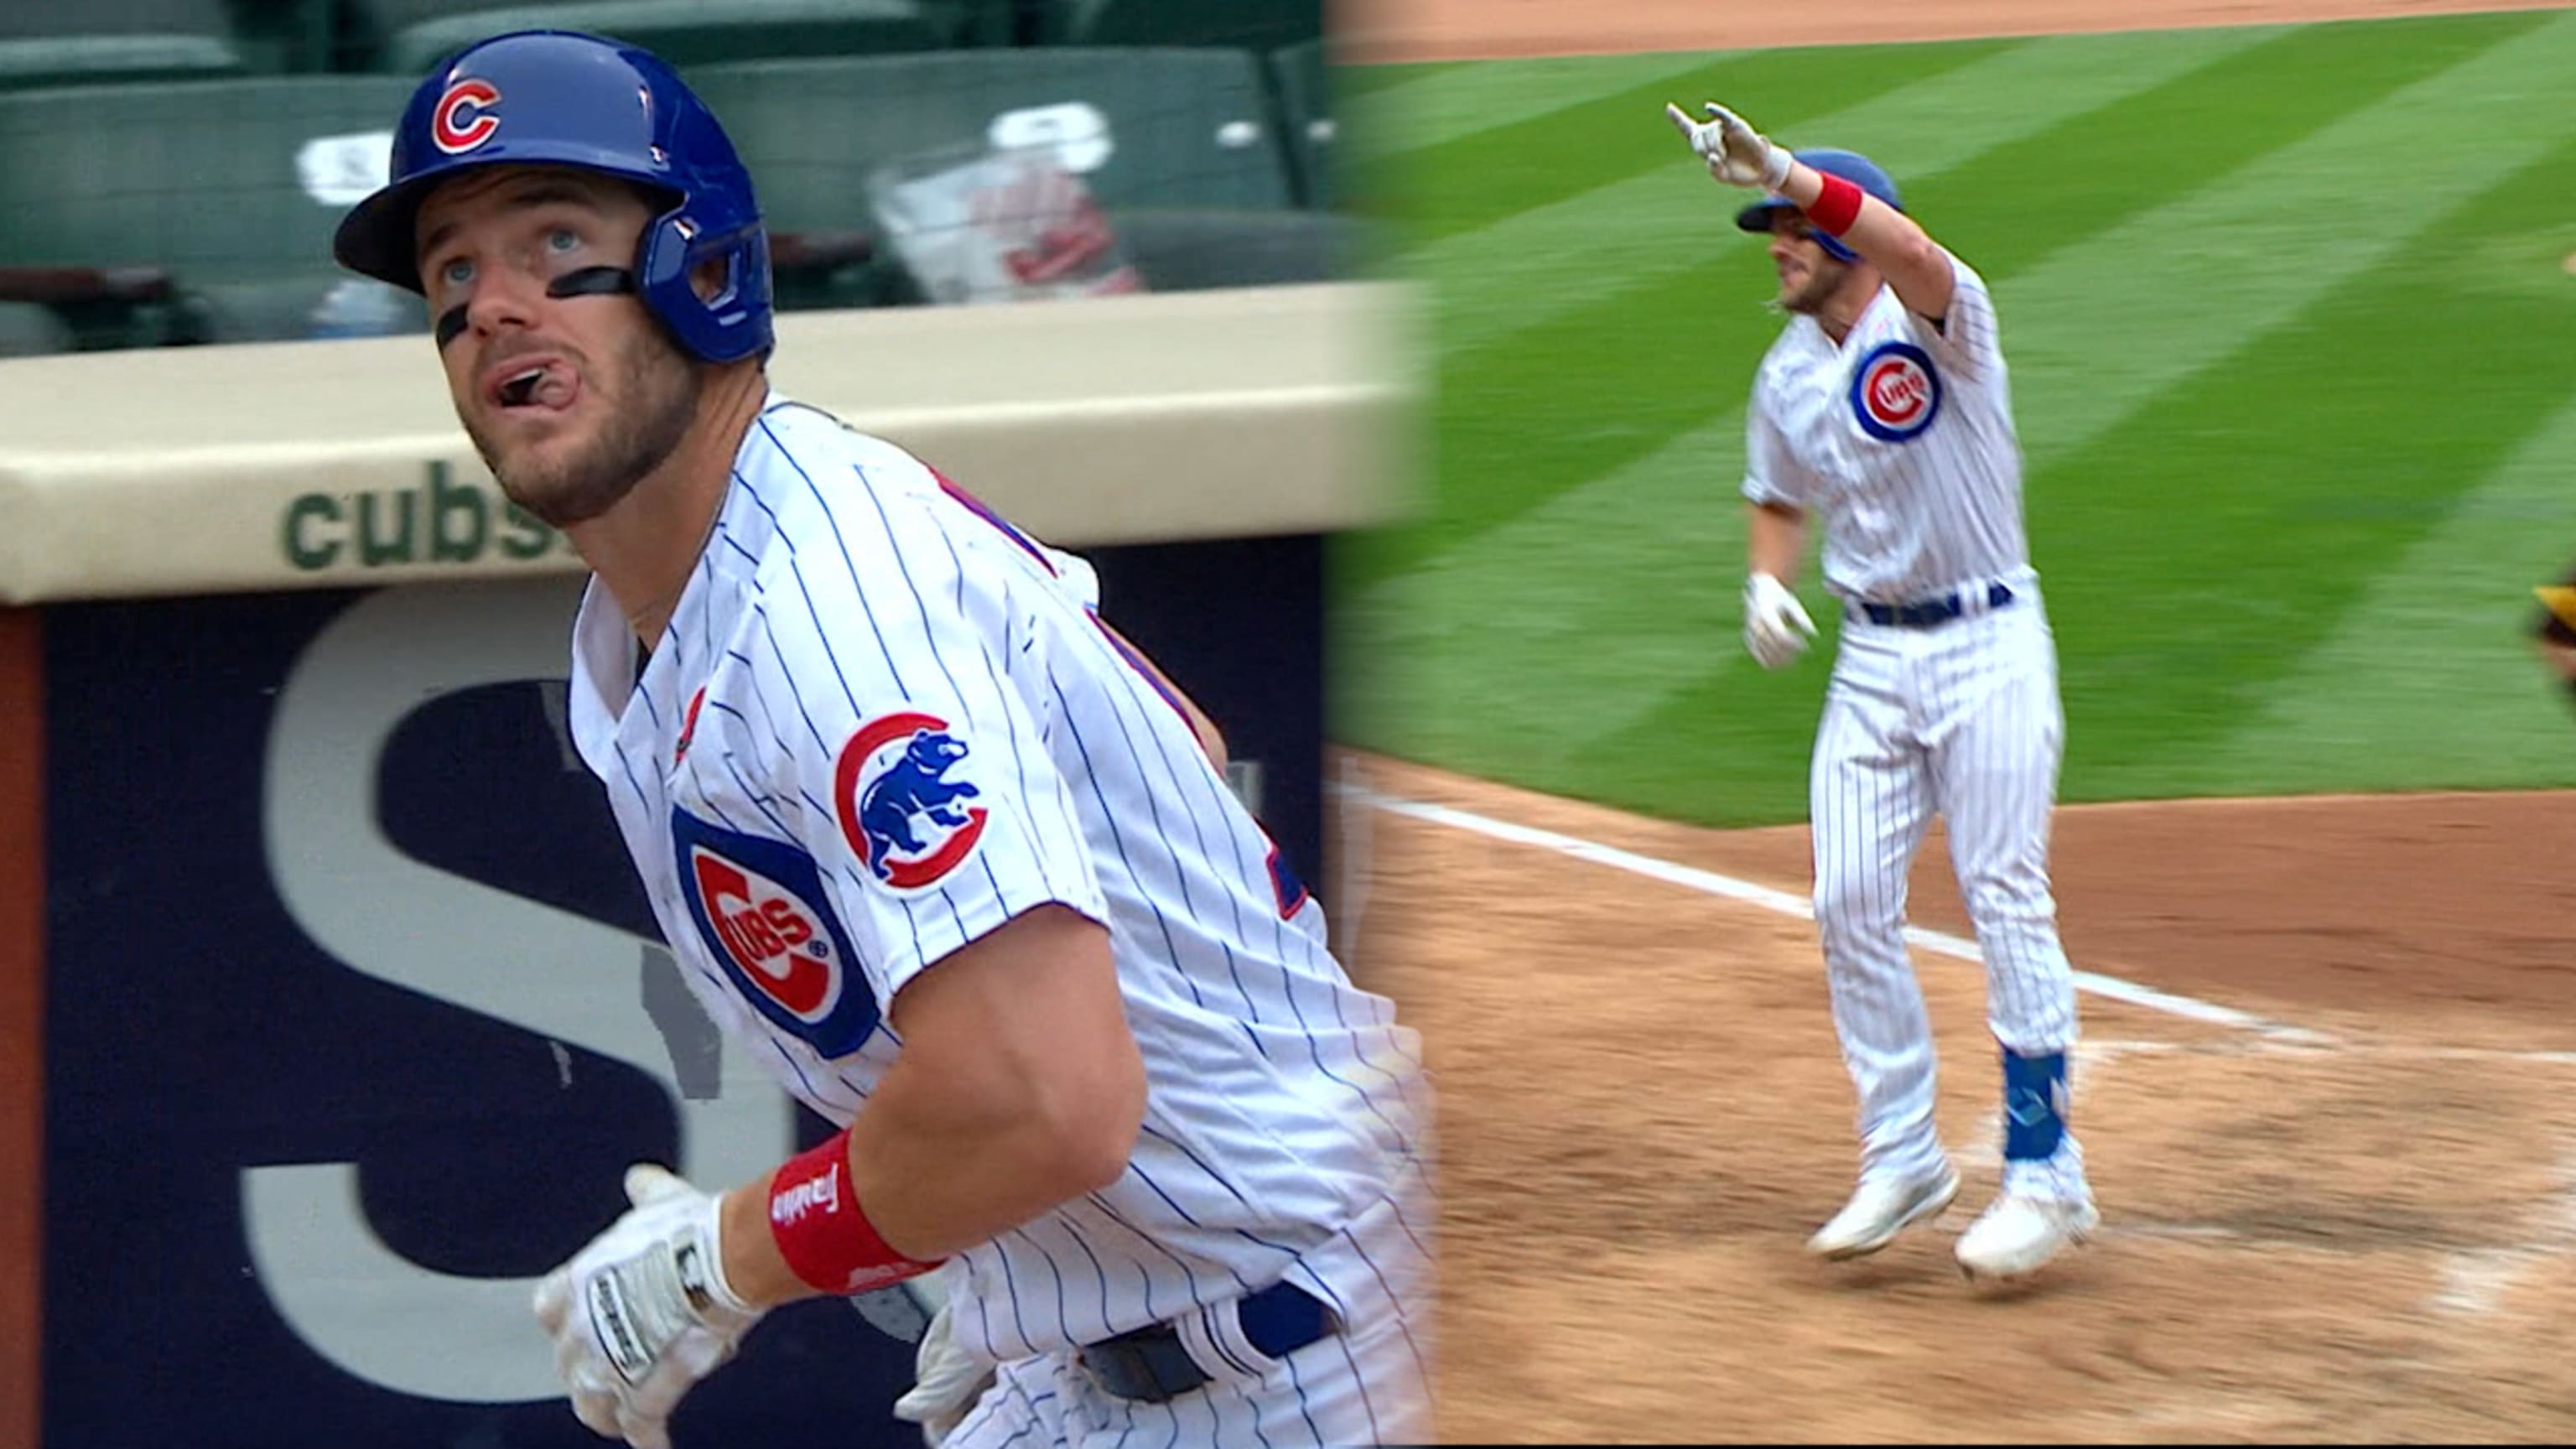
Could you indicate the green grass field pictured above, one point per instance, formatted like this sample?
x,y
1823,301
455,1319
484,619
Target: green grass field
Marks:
x,y
2294,362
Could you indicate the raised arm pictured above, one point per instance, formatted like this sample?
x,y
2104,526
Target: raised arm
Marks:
x,y
1916,266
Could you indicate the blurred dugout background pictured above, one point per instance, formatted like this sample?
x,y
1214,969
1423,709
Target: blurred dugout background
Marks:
x,y
171,170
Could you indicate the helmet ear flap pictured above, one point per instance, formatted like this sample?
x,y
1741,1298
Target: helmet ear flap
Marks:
x,y
731,325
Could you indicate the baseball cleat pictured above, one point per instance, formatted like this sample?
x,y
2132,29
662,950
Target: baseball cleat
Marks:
x,y
2021,1234
1882,1208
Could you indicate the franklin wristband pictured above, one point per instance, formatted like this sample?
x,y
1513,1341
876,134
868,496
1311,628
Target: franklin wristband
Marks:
x,y
826,1239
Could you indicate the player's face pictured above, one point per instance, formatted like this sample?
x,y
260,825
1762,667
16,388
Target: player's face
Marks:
x,y
1807,275
571,400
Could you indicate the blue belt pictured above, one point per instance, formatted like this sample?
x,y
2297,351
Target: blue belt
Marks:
x,y
1151,1363
1927,613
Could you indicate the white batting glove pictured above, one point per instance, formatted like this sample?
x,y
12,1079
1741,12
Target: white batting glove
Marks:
x,y
1776,626
644,1312
1702,138
1736,153
947,1382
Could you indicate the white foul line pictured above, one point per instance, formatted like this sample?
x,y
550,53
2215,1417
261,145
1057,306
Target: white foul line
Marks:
x,y
1783,903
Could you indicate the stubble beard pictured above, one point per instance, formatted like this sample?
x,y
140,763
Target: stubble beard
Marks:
x,y
1810,296
649,414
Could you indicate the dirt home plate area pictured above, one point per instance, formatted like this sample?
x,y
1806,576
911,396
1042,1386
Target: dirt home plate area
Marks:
x,y
2327,1089
2327,1085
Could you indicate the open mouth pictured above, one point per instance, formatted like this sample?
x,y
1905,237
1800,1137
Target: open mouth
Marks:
x,y
545,385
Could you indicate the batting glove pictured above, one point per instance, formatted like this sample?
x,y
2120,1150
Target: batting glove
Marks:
x,y
644,1312
947,1382
1736,153
1776,626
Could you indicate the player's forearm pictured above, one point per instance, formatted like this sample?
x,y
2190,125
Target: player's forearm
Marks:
x,y
1914,264
1019,1086
936,1175
1775,539
944,1168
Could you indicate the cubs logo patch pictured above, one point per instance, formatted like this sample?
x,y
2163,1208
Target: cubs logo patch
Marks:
x,y
1896,392
898,806
760,907
464,117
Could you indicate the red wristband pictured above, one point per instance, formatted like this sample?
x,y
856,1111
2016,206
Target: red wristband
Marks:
x,y
1837,207
827,1241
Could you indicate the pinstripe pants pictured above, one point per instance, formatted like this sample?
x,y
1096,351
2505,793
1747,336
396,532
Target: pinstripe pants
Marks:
x,y
1965,720
1370,1384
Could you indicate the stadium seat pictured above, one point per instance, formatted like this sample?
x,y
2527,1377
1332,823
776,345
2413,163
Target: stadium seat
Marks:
x,y
314,303
221,182
1192,250
1262,25
1306,118
412,36
27,330
46,44
1144,128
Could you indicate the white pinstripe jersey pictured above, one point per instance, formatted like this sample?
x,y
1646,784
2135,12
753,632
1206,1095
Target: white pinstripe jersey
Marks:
x,y
882,723
1901,440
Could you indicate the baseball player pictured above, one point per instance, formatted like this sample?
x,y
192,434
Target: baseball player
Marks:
x,y
941,849
2553,632
1884,409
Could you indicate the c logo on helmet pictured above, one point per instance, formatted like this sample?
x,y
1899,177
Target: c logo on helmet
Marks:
x,y
464,119
1895,392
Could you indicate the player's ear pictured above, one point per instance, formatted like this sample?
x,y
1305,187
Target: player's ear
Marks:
x,y
707,279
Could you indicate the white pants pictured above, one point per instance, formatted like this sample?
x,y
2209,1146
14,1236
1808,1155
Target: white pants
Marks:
x,y
1370,1384
1963,719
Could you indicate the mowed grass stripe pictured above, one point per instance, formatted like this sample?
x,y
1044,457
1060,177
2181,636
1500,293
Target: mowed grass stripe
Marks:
x,y
2427,679
1521,161
2313,461
2015,201
1568,255
1625,405
2178,287
1663,502
1561,634
1417,113
1468,607
1365,81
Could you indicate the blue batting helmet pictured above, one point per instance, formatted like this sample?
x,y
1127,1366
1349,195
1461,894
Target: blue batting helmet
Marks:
x,y
561,98
1851,166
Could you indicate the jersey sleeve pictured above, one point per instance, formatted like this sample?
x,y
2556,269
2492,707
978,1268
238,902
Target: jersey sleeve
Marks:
x,y
928,795
1966,341
1771,474
1074,574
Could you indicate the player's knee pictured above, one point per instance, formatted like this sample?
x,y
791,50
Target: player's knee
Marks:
x,y
2019,898
1850,911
